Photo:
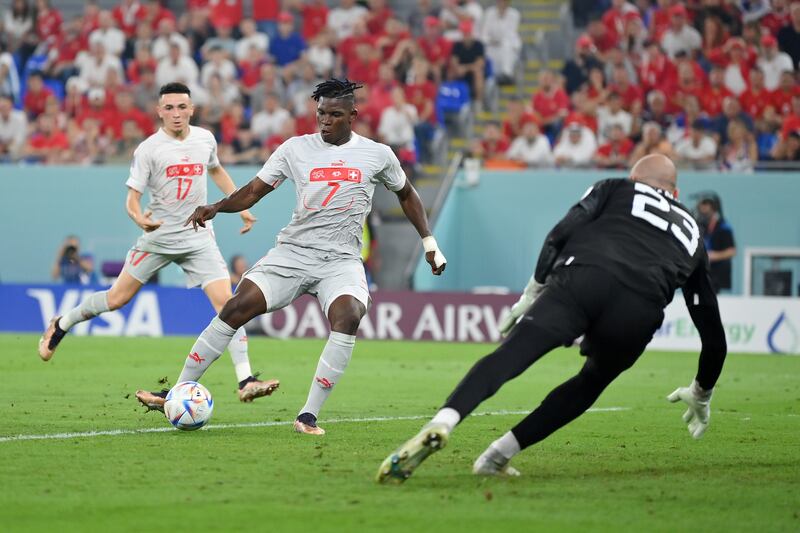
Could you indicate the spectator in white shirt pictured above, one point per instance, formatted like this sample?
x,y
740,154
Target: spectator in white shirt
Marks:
x,y
342,19
576,147
698,151
177,66
250,37
166,37
456,11
612,114
93,66
320,55
500,36
217,63
397,122
13,129
531,148
270,119
773,62
680,36
113,38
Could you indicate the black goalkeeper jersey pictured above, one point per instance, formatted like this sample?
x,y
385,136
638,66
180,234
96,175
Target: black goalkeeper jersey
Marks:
x,y
639,234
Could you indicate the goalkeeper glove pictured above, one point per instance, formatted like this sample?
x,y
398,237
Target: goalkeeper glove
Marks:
x,y
699,412
529,295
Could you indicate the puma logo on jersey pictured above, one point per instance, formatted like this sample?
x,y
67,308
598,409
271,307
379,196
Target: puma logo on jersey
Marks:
x,y
338,163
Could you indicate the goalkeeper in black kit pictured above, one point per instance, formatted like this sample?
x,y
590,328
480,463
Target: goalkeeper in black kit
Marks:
x,y
606,271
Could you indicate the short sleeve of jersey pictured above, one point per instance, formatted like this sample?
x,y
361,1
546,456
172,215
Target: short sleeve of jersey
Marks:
x,y
276,170
140,170
391,174
213,159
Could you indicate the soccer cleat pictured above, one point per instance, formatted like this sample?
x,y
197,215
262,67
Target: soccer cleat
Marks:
x,y
50,339
493,463
401,464
154,401
307,423
254,388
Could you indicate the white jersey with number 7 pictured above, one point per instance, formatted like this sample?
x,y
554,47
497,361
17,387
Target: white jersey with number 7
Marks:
x,y
333,188
175,172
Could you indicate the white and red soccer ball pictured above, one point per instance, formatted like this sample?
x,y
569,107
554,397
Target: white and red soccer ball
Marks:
x,y
188,405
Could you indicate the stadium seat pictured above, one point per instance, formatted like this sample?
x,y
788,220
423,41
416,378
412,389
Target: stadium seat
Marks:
x,y
453,105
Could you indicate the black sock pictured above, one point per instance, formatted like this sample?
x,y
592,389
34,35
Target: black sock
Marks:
x,y
246,381
307,419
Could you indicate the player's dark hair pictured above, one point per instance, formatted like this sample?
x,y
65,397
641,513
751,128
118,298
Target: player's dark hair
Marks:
x,y
335,88
174,88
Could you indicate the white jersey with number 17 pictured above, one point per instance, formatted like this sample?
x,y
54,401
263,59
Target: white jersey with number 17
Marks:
x,y
175,172
333,188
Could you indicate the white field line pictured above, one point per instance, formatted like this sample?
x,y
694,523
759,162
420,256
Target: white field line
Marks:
x,y
114,432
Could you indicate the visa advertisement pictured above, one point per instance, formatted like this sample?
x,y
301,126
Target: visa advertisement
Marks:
x,y
752,325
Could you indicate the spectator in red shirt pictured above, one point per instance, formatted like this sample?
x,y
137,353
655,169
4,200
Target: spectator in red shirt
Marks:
x,y
493,145
613,18
128,14
126,110
47,144
787,89
435,47
153,13
346,51
660,20
614,153
36,95
715,92
777,18
61,57
757,101
378,14
364,66
583,111
306,123
550,104
142,59
99,108
314,14
631,94
596,89
602,39
516,118
225,12
791,122
48,21
655,68
736,59
687,85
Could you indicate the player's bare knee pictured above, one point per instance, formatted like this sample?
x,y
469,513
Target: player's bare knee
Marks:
x,y
117,300
347,323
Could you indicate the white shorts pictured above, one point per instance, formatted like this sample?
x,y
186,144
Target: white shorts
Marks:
x,y
201,266
289,271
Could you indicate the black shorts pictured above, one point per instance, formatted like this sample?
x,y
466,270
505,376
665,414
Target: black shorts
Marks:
x,y
617,323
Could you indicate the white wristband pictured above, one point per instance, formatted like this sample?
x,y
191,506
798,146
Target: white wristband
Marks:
x,y
429,244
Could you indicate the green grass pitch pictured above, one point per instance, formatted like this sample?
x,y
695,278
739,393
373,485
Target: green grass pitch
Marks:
x,y
630,470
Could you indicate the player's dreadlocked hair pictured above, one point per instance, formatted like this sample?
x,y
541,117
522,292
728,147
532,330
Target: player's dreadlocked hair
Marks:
x,y
334,88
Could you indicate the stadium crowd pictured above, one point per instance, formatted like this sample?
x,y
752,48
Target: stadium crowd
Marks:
x,y
711,83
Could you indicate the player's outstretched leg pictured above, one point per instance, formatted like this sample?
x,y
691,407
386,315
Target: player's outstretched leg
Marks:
x,y
97,303
564,404
402,462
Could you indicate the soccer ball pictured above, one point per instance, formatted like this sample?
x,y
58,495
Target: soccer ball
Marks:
x,y
188,405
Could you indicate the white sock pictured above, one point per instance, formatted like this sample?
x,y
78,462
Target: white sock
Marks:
x,y
238,350
332,363
207,349
507,445
91,307
447,416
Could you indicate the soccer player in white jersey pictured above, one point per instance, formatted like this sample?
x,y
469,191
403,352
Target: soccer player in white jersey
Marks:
x,y
173,165
335,173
